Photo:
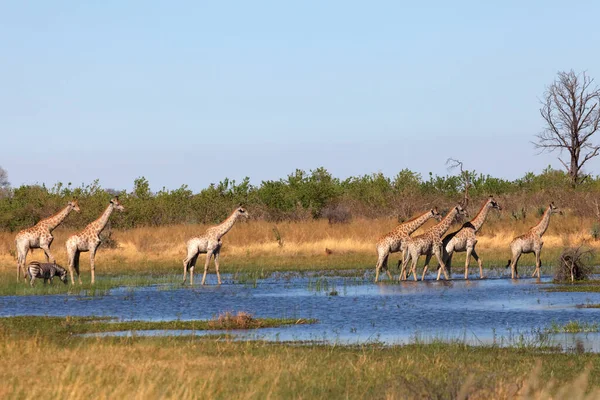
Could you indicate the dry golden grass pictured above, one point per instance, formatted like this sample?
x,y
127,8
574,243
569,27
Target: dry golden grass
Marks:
x,y
189,368
304,243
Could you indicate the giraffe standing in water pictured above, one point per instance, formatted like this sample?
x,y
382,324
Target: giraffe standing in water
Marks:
x,y
89,240
210,243
40,237
531,242
465,239
429,244
393,241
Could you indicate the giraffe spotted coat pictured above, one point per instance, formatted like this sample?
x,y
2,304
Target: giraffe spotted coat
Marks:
x,y
88,240
40,237
394,241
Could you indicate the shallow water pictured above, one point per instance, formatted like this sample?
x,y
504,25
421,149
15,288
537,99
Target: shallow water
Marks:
x,y
495,310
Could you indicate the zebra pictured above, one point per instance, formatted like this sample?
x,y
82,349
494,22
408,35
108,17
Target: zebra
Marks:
x,y
45,271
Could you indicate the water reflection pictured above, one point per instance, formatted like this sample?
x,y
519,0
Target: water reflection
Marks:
x,y
350,309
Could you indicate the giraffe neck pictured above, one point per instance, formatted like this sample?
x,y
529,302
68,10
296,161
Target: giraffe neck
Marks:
x,y
479,219
98,225
414,224
226,225
443,226
55,220
541,227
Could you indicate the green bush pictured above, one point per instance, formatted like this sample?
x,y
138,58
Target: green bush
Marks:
x,y
301,195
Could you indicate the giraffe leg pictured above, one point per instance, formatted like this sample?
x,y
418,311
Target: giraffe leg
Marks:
x,y
413,267
208,256
18,267
217,265
76,265
408,272
384,265
389,274
427,260
22,251
449,264
412,256
382,258
46,248
71,259
20,263
405,258
437,251
447,258
538,264
189,262
93,263
479,261
513,266
192,275
401,267
467,261
185,268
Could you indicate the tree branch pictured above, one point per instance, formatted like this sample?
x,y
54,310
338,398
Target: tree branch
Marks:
x,y
571,111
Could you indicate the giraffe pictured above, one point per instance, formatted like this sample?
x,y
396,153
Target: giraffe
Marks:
x,y
393,241
210,243
89,240
531,242
428,244
40,237
465,240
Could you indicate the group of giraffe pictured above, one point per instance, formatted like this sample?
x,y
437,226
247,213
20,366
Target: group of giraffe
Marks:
x,y
431,243
40,236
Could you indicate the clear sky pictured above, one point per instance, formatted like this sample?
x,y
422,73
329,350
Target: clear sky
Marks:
x,y
193,92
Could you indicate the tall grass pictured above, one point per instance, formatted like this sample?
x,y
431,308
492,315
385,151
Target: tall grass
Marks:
x,y
297,245
185,368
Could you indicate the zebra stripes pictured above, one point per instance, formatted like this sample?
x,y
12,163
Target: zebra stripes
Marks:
x,y
45,271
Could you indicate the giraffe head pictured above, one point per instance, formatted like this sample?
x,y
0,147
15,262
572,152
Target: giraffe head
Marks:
x,y
117,204
492,203
460,212
435,214
554,209
75,204
241,212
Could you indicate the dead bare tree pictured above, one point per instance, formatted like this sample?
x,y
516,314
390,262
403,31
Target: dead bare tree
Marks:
x,y
571,109
3,178
465,178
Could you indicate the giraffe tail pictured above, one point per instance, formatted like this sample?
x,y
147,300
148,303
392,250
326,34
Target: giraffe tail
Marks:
x,y
508,264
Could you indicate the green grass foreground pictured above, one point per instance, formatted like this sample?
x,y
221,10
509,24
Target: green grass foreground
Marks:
x,y
41,360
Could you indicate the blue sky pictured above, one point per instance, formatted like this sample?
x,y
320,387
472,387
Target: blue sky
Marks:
x,y
192,92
